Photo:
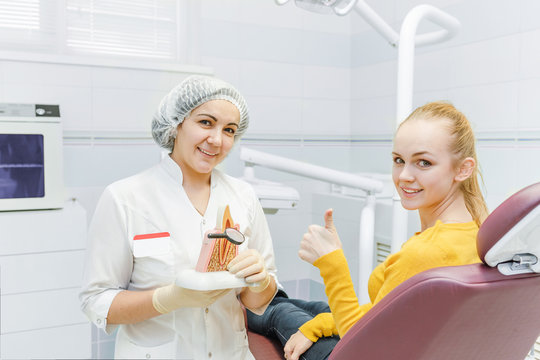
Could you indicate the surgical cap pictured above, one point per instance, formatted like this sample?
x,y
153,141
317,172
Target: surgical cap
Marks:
x,y
186,96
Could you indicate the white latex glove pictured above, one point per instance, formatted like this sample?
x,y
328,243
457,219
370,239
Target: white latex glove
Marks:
x,y
171,297
319,241
249,264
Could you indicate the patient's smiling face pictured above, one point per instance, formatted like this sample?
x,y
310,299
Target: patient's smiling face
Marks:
x,y
424,169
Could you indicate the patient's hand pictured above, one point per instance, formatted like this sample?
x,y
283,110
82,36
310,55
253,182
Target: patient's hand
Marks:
x,y
296,346
319,241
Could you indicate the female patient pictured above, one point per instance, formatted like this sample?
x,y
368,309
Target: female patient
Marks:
x,y
435,171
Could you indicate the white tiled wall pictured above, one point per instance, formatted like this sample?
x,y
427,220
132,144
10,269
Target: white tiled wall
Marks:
x,y
320,89
489,71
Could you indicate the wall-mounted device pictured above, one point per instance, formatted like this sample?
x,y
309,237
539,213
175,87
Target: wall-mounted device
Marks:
x,y
273,196
31,174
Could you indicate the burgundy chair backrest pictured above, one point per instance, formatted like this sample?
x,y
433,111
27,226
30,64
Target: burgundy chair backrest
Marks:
x,y
457,312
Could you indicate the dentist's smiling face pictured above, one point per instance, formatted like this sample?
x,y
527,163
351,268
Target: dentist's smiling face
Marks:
x,y
205,137
424,169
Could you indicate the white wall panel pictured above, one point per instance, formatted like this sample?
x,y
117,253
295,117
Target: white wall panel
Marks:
x,y
432,70
485,62
373,116
117,78
221,10
124,109
38,272
39,310
500,171
371,157
287,228
261,78
529,54
326,49
87,196
269,115
328,117
332,154
267,13
422,98
47,74
280,45
337,82
69,342
226,69
250,42
483,20
43,230
2,82
489,107
91,165
374,80
529,10
529,104
526,158
370,47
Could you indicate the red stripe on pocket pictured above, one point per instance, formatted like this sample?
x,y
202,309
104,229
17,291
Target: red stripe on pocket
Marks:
x,y
151,236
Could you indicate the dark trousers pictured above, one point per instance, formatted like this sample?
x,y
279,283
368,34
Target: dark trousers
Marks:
x,y
284,316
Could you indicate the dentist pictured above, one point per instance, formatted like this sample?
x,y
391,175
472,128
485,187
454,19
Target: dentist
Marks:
x,y
149,226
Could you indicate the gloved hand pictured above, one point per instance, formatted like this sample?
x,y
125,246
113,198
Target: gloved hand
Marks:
x,y
171,297
249,264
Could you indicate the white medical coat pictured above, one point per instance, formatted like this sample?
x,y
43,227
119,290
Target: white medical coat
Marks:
x,y
154,202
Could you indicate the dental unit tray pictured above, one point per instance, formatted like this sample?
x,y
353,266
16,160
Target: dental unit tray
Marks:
x,y
204,281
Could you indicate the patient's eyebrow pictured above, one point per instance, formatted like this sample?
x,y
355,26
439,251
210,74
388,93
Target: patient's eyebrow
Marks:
x,y
420,153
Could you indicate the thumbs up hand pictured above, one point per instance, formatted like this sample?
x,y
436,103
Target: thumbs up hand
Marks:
x,y
319,240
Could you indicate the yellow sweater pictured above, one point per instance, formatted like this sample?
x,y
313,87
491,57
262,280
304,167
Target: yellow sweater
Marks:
x,y
439,245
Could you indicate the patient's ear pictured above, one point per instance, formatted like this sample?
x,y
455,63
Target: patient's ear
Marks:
x,y
465,169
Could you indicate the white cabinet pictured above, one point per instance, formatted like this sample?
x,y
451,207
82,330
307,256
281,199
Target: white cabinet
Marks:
x,y
41,267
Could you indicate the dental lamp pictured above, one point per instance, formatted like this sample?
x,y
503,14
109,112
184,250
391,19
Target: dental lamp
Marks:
x,y
367,218
405,40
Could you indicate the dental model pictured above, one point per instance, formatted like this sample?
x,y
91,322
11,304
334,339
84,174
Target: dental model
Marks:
x,y
218,249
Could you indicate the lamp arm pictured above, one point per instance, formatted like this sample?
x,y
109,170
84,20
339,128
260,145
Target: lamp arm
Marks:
x,y
332,176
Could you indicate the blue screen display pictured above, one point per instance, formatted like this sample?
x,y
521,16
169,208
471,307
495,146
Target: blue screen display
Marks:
x,y
21,166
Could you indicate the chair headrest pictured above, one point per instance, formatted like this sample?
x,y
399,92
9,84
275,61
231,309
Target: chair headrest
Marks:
x,y
512,231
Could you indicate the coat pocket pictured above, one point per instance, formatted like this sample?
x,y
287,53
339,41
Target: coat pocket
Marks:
x,y
153,244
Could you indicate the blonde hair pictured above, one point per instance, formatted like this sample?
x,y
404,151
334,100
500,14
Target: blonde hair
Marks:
x,y
463,146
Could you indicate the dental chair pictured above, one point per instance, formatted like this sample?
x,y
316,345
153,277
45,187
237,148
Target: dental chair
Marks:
x,y
486,311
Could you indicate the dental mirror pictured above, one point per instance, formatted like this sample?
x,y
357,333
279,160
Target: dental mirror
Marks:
x,y
231,234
